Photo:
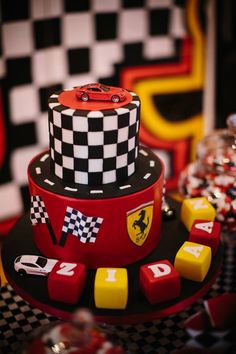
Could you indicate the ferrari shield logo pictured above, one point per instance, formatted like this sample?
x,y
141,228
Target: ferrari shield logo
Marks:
x,y
139,221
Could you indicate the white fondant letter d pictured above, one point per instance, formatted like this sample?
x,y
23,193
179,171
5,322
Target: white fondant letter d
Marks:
x,y
160,269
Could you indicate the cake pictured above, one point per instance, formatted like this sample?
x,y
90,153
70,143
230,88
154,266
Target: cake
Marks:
x,y
94,229
96,194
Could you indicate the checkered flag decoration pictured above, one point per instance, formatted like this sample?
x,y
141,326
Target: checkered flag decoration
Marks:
x,y
84,227
39,215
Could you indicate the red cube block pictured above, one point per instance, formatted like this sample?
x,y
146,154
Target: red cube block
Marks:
x,y
66,282
159,281
206,233
222,311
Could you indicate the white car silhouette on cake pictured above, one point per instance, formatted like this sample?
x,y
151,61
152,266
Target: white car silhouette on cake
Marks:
x,y
37,265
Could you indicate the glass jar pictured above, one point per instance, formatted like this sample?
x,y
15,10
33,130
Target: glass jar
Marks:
x,y
213,174
78,335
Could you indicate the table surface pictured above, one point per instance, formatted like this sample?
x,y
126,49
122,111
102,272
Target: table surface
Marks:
x,y
19,320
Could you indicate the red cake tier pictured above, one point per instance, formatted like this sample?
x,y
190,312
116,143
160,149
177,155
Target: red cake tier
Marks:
x,y
111,225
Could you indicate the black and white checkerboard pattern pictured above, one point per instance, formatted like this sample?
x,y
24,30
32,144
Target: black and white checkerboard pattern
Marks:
x,y
82,226
18,321
48,45
93,147
38,213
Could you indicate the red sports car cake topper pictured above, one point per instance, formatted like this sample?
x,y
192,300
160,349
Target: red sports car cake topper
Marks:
x,y
100,92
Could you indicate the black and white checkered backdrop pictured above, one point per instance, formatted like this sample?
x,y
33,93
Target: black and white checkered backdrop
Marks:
x,y
48,45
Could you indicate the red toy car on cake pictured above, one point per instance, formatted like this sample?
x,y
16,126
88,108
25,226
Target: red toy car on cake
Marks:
x,y
100,92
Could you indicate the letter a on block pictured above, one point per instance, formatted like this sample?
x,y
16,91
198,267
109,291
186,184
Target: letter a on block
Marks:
x,y
205,226
160,269
198,204
193,260
194,250
111,275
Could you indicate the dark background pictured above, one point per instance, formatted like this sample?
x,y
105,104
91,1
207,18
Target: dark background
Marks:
x,y
225,98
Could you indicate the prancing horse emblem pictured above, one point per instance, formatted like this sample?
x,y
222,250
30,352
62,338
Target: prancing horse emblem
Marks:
x,y
139,221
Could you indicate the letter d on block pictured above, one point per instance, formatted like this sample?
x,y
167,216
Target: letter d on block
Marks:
x,y
159,281
160,269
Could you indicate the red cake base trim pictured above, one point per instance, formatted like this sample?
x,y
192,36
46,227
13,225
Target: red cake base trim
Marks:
x,y
114,246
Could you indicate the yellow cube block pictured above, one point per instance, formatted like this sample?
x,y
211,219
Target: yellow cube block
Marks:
x,y
196,208
193,261
111,288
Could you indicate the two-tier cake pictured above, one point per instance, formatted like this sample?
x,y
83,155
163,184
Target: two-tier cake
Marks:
x,y
95,219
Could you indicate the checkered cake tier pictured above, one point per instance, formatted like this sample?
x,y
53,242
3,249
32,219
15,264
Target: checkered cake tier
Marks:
x,y
93,147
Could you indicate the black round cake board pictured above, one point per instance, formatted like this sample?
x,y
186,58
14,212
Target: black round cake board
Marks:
x,y
34,288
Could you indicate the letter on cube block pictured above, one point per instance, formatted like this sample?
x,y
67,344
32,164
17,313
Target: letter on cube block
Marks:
x,y
193,261
66,282
206,233
196,208
111,288
159,281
